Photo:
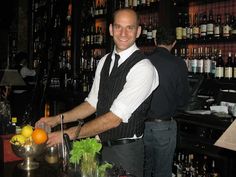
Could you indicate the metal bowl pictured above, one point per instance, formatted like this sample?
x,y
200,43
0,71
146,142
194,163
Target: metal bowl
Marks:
x,y
28,153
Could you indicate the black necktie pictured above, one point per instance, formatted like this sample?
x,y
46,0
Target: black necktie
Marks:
x,y
115,66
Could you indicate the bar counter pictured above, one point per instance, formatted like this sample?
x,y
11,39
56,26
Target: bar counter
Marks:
x,y
44,170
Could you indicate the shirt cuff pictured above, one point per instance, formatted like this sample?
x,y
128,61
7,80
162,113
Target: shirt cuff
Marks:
x,y
121,111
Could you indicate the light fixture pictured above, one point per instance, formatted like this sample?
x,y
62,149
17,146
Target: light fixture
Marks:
x,y
11,77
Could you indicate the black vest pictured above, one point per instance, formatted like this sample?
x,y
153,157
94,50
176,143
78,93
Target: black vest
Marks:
x,y
110,87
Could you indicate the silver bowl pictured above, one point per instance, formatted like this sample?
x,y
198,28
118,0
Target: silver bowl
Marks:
x,y
28,153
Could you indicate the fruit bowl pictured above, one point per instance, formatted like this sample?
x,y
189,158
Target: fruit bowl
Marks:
x,y
28,152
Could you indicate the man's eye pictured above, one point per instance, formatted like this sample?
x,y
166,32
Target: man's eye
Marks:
x,y
131,28
116,27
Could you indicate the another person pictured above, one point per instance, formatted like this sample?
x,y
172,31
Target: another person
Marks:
x,y
119,98
171,95
21,97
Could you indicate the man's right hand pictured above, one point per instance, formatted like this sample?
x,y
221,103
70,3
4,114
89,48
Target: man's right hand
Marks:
x,y
48,121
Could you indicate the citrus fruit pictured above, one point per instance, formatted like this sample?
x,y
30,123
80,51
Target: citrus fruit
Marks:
x,y
39,136
27,131
18,139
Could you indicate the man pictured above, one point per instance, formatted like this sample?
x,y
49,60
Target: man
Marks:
x,y
21,98
172,94
119,98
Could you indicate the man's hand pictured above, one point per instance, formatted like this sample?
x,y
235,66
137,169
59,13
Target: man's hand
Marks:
x,y
56,137
48,121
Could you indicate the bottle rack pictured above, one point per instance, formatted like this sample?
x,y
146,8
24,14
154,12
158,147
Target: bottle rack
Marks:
x,y
207,51
94,39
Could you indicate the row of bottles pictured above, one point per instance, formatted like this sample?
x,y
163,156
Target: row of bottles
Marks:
x,y
205,26
97,7
191,165
209,62
149,29
93,35
90,60
93,40
137,4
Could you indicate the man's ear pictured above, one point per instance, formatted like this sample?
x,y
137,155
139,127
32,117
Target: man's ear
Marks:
x,y
138,31
111,30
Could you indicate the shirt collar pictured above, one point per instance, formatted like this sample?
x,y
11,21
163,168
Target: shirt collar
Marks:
x,y
125,54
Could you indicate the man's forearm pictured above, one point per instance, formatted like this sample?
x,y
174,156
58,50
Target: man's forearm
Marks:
x,y
99,125
79,112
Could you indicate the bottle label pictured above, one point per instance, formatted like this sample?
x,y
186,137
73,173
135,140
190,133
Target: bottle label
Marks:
x,y
179,34
207,66
196,32
149,35
189,33
226,30
219,72
213,67
200,66
154,33
210,28
228,72
203,29
194,65
217,31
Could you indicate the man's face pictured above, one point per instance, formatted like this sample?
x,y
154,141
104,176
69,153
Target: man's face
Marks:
x,y
124,30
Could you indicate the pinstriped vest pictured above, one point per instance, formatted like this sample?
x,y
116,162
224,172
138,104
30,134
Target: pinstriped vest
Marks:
x,y
110,87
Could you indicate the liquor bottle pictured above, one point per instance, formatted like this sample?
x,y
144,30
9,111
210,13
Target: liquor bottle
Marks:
x,y
135,4
203,26
226,26
143,3
210,26
180,165
196,30
219,66
154,30
69,12
189,31
213,172
207,64
233,27
218,27
149,32
179,28
213,61
143,40
185,26
194,61
200,61
229,67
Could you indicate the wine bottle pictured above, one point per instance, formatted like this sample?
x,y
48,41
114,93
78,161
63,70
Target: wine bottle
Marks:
x,y
218,27
196,30
207,63
203,26
219,66
210,26
179,28
229,67
226,26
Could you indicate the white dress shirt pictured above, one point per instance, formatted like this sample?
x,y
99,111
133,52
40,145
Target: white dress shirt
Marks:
x,y
141,80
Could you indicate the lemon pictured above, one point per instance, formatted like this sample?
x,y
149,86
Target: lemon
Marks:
x,y
27,131
18,139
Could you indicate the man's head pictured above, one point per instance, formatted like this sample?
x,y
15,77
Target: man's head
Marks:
x,y
124,28
165,37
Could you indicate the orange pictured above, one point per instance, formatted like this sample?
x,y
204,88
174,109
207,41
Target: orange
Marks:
x,y
39,136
